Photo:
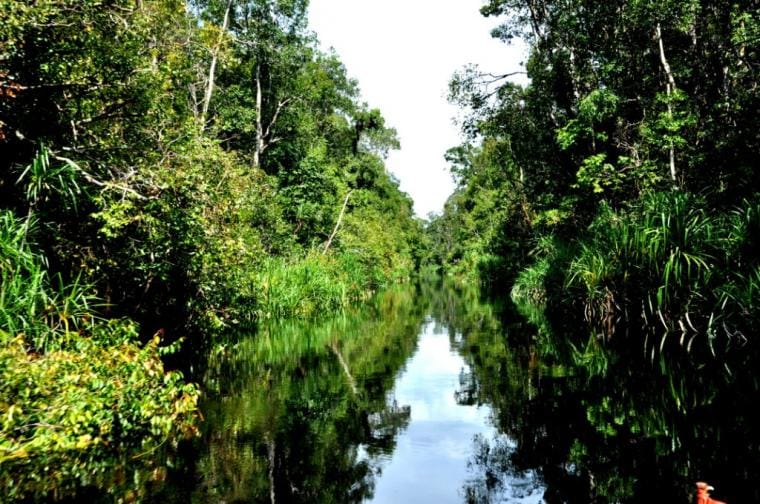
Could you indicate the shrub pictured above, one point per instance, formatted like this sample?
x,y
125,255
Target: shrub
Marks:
x,y
67,412
669,267
75,390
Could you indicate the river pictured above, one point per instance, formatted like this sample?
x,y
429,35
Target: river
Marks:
x,y
435,395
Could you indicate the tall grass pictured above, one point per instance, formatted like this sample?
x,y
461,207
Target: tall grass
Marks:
x,y
309,285
46,312
532,284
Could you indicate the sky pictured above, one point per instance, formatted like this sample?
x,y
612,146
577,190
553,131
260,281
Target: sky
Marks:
x,y
403,53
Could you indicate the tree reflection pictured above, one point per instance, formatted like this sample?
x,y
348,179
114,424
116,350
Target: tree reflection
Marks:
x,y
593,424
301,410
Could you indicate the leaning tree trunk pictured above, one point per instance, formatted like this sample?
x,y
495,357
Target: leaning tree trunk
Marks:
x,y
212,68
337,224
670,88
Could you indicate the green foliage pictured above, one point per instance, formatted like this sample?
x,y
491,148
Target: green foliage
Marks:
x,y
309,194
42,180
482,230
309,286
48,313
65,412
529,284
598,106
676,261
134,192
618,150
163,215
632,282
72,388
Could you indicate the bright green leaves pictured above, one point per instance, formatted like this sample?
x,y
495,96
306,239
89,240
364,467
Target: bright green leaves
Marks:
x,y
675,260
595,172
308,194
371,134
64,412
44,181
72,387
590,129
172,221
672,122
44,308
599,106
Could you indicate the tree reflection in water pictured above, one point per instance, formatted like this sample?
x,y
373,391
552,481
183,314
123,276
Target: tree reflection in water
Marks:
x,y
299,411
594,424
304,412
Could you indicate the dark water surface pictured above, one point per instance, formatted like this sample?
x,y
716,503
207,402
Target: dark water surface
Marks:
x,y
436,395
370,406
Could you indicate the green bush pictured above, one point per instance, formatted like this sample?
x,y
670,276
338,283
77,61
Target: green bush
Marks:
x,y
665,274
68,412
75,390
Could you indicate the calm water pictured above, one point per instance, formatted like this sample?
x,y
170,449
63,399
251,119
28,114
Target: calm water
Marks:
x,y
375,406
432,459
436,395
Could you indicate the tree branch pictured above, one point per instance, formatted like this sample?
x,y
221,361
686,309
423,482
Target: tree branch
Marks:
x,y
337,224
280,105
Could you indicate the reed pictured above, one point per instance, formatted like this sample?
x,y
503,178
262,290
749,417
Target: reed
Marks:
x,y
46,311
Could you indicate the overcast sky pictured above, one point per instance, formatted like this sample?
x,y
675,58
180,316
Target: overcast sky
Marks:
x,y
403,53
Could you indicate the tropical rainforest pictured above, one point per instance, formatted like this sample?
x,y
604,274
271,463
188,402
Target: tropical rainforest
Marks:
x,y
618,189
615,199
170,169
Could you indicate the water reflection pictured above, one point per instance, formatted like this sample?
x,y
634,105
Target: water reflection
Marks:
x,y
594,424
379,405
436,395
298,412
430,460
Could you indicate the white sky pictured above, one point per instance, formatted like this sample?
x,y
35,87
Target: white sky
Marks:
x,y
403,53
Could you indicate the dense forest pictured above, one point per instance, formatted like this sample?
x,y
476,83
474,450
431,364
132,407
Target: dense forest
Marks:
x,y
169,169
619,188
615,197
174,169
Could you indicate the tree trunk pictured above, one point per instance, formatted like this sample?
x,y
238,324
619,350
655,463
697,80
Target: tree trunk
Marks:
x,y
212,68
670,87
337,224
259,125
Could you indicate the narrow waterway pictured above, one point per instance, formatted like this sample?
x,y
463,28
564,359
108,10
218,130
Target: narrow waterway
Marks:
x,y
432,461
436,395
377,405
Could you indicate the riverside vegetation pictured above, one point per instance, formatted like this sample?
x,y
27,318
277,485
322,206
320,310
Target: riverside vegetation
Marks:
x,y
615,197
172,168
618,189
168,169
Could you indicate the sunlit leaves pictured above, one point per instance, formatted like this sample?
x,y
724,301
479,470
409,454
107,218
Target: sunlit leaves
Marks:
x,y
64,412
